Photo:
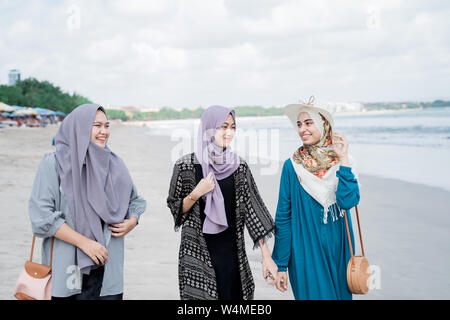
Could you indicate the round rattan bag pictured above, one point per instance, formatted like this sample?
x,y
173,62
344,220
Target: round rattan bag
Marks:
x,y
358,272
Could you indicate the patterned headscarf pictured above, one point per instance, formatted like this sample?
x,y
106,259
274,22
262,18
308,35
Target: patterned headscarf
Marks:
x,y
320,157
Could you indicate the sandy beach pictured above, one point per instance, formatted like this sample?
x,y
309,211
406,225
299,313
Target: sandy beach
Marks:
x,y
405,225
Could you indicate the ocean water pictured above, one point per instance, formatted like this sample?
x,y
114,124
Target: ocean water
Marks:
x,y
412,146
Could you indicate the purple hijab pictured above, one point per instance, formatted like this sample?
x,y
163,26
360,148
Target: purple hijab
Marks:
x,y
96,183
221,162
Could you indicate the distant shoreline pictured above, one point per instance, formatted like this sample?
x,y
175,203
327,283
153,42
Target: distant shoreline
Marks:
x,y
337,114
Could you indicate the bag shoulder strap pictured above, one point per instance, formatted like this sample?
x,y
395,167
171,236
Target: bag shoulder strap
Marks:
x,y
51,250
348,234
53,238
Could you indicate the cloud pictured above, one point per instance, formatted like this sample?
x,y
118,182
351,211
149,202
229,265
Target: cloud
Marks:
x,y
142,8
156,59
189,53
107,51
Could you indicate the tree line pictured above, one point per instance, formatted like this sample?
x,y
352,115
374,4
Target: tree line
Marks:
x,y
43,94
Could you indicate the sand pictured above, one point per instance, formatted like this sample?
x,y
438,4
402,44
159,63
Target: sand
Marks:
x,y
405,226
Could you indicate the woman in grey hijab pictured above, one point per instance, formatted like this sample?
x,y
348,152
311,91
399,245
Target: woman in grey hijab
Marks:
x,y
83,195
213,196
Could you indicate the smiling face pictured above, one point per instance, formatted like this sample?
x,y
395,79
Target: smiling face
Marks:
x,y
225,133
100,129
307,129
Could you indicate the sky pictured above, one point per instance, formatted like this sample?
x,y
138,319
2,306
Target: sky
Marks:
x,y
190,53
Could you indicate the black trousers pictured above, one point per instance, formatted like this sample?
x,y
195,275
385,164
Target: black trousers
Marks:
x,y
92,285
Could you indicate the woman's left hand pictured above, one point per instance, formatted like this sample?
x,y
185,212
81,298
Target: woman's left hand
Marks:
x,y
270,270
340,146
121,229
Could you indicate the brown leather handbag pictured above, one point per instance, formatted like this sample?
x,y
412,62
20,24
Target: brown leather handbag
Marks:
x,y
35,280
358,266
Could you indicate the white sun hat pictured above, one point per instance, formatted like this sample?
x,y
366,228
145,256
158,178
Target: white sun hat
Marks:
x,y
293,110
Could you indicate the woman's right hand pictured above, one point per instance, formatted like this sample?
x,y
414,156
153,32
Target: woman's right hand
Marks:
x,y
93,249
97,252
204,186
282,281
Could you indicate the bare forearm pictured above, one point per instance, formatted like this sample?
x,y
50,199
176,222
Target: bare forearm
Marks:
x,y
69,235
97,252
189,201
265,252
203,187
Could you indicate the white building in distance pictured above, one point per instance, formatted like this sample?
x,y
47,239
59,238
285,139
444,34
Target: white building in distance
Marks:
x,y
13,77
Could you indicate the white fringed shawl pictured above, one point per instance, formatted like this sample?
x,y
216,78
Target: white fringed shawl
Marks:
x,y
323,190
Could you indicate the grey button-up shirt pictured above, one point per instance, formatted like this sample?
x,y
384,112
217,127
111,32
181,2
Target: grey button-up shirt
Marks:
x,y
48,210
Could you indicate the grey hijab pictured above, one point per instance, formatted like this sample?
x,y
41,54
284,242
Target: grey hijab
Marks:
x,y
95,181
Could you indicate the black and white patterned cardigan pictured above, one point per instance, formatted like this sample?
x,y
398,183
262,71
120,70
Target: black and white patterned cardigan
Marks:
x,y
196,275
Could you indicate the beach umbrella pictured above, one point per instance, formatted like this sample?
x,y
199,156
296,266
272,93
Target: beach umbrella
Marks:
x,y
13,115
6,108
26,111
43,112
18,108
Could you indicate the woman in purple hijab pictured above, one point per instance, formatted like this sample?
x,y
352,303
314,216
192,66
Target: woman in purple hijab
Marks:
x,y
83,197
212,197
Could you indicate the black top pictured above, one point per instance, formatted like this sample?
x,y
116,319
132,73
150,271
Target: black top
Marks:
x,y
222,246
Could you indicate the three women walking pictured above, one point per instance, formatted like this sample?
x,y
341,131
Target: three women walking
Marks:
x,y
84,197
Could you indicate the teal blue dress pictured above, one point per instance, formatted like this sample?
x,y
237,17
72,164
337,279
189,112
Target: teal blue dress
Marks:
x,y
315,253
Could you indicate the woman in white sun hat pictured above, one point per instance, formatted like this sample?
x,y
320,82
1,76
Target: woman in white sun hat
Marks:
x,y
317,184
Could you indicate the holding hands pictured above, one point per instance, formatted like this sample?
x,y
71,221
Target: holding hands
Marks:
x,y
269,269
282,281
273,277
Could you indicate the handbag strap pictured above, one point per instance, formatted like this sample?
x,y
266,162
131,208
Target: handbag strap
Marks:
x,y
53,238
51,250
348,234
